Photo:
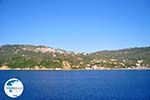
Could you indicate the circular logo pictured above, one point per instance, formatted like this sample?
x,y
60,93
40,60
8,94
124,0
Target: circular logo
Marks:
x,y
13,88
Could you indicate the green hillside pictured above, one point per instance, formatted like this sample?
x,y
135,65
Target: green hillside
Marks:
x,y
31,57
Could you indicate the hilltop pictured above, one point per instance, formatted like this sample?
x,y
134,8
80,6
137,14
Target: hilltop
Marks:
x,y
42,57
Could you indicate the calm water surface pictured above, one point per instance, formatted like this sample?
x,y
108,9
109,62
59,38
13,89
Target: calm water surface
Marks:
x,y
80,85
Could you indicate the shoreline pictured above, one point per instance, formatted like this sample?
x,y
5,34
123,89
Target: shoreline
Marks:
x,y
62,69
69,69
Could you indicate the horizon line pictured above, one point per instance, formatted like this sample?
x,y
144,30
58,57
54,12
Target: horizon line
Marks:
x,y
72,50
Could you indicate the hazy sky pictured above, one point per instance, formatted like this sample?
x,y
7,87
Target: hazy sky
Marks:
x,y
76,25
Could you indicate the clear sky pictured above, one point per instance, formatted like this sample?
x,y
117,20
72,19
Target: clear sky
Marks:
x,y
76,25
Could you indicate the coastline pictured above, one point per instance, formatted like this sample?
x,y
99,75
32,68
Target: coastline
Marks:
x,y
61,69
121,69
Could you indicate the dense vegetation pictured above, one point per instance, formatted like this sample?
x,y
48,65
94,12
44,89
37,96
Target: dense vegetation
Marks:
x,y
29,56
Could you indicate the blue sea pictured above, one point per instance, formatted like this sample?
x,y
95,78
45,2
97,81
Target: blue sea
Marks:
x,y
80,85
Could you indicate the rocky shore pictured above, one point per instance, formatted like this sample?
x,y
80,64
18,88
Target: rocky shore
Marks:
x,y
43,68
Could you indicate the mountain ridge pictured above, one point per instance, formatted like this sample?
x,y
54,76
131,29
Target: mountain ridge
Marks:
x,y
43,57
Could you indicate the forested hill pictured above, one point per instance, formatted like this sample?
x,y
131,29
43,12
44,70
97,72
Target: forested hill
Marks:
x,y
43,57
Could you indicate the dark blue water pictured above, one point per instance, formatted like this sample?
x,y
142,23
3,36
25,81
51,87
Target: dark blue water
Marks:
x,y
80,85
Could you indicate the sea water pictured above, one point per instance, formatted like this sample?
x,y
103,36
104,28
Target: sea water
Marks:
x,y
80,85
